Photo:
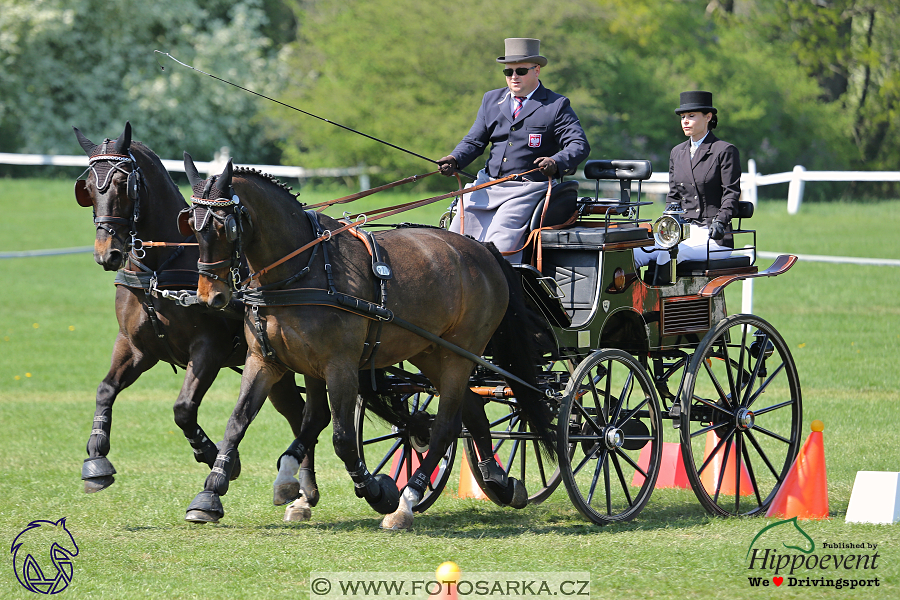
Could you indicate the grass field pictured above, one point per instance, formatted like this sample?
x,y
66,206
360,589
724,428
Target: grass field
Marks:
x,y
57,325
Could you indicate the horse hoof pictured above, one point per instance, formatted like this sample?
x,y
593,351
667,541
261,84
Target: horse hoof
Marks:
x,y
397,521
520,494
298,510
201,516
286,492
308,485
205,508
95,484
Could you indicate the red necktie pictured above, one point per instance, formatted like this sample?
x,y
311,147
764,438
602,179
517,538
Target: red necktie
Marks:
x,y
519,101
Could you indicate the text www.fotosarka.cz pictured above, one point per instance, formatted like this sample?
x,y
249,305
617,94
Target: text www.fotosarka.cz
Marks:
x,y
377,586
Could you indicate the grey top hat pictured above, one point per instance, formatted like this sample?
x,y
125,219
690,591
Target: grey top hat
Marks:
x,y
519,50
696,102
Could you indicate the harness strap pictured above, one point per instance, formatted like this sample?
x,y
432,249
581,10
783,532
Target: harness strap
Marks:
x,y
369,310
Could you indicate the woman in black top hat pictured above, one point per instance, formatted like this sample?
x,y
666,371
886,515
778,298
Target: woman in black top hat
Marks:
x,y
705,179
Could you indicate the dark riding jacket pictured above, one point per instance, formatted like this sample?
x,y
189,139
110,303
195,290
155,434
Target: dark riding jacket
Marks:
x,y
708,186
546,126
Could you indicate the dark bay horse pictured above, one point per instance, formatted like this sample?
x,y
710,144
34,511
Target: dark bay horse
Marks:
x,y
133,198
304,315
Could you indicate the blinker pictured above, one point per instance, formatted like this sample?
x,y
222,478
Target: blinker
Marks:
x,y
82,196
184,222
134,185
231,228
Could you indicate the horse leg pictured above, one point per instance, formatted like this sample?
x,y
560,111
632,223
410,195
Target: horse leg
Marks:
x,y
379,491
198,378
452,377
97,471
258,379
509,490
286,399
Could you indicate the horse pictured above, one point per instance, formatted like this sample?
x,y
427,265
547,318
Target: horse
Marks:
x,y
331,309
132,195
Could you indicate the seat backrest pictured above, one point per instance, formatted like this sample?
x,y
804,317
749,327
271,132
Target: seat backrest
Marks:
x,y
563,204
745,210
618,169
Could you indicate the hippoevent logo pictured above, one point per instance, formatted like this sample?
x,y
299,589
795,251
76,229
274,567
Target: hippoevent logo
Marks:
x,y
783,554
42,556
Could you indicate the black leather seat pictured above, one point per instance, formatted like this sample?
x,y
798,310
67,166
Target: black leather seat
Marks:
x,y
563,204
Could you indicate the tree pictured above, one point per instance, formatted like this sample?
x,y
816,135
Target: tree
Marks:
x,y
91,64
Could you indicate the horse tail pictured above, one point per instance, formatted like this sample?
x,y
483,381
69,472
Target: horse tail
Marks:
x,y
515,348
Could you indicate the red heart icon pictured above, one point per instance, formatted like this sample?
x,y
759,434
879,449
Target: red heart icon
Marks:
x,y
778,580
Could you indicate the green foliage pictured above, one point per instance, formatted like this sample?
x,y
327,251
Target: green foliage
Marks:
x,y
91,64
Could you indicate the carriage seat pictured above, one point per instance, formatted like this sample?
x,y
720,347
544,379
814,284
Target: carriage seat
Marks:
x,y
563,204
702,267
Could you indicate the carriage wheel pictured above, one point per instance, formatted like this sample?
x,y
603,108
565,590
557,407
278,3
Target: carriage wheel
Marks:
x,y
399,449
519,453
742,413
610,417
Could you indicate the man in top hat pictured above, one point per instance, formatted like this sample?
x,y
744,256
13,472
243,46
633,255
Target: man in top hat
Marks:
x,y
529,127
705,179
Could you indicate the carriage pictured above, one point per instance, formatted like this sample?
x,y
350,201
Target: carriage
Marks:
x,y
632,350
623,350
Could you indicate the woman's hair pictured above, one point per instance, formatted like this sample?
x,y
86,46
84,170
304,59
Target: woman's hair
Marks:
x,y
714,121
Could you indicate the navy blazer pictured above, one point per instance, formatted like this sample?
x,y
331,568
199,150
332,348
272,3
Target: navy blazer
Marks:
x,y
546,126
708,186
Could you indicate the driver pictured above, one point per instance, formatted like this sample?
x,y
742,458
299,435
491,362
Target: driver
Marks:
x,y
528,127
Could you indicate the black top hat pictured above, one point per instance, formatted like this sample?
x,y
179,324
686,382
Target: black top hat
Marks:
x,y
696,102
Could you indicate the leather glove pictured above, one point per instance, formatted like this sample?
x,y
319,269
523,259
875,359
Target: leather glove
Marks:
x,y
717,230
547,165
447,165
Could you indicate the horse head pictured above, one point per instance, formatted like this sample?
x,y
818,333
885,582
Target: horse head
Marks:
x,y
112,188
218,220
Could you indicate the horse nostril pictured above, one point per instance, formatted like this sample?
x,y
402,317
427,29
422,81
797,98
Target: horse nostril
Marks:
x,y
218,301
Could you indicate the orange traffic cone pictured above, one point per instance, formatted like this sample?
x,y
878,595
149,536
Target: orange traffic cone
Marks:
x,y
671,468
710,476
402,477
804,491
447,574
468,487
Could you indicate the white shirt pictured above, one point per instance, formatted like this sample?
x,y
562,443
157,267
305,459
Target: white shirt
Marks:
x,y
695,145
515,102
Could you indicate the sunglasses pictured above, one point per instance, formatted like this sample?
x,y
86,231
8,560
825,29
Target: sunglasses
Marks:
x,y
521,71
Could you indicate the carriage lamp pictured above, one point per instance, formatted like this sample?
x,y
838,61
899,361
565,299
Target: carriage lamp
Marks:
x,y
670,229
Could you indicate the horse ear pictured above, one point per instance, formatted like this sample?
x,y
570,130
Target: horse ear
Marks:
x,y
191,170
124,141
224,182
87,144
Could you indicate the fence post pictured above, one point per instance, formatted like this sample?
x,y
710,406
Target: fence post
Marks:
x,y
364,183
752,188
795,190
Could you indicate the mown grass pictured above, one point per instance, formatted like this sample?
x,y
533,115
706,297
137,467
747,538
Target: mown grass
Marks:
x,y
842,323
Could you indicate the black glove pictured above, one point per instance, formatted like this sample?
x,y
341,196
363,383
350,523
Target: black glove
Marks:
x,y
447,165
717,230
547,165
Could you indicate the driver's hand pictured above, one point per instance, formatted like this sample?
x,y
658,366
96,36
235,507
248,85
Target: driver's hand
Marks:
x,y
547,165
447,165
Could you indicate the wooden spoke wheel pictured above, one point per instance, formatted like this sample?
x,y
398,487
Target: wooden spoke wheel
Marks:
x,y
742,416
398,448
610,426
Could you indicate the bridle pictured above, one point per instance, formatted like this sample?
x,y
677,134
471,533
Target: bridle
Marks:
x,y
204,213
104,166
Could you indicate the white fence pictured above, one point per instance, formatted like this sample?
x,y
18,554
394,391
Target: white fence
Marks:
x,y
658,183
751,181
213,167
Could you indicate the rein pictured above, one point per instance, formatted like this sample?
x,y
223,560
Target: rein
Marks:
x,y
382,213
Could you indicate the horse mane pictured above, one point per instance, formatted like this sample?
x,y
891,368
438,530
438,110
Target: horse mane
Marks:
x,y
270,178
